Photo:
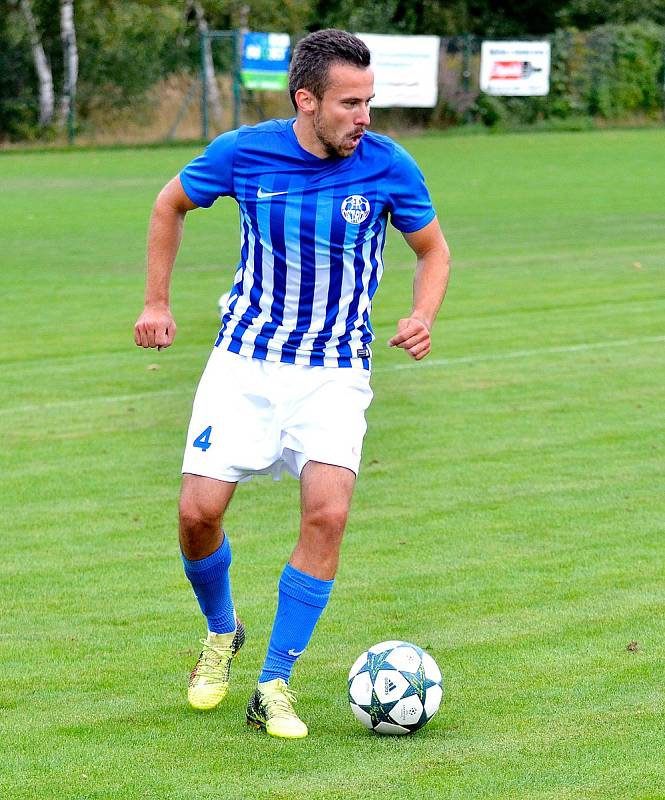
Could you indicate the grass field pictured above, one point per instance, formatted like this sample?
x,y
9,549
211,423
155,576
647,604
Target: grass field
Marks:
x,y
509,516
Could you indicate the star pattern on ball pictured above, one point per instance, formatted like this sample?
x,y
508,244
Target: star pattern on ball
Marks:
x,y
376,662
377,710
419,683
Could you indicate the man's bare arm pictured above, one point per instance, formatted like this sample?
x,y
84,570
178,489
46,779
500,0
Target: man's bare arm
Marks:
x,y
156,326
429,288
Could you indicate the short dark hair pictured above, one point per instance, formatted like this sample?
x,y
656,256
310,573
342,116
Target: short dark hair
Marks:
x,y
316,53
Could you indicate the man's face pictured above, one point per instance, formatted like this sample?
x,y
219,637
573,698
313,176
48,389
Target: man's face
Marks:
x,y
342,114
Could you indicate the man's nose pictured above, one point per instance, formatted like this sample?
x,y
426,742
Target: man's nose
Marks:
x,y
362,118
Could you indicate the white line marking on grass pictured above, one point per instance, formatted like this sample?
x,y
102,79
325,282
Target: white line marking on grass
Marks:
x,y
571,348
436,362
89,401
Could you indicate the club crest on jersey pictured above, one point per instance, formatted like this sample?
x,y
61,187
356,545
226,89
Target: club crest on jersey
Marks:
x,y
355,209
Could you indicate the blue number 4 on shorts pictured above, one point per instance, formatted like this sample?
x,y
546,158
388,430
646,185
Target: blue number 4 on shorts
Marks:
x,y
202,441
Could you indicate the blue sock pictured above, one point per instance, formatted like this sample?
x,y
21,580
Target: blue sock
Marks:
x,y
210,580
301,601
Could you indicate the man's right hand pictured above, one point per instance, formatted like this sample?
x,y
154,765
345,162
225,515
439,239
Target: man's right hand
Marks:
x,y
155,327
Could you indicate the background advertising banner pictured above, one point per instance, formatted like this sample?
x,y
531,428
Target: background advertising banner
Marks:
x,y
265,61
406,70
515,68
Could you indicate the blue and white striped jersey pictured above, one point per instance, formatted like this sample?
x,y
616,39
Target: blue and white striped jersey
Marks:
x,y
312,236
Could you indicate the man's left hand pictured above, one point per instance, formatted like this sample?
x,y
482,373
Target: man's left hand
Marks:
x,y
413,336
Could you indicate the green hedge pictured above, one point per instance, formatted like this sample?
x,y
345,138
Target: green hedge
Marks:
x,y
612,72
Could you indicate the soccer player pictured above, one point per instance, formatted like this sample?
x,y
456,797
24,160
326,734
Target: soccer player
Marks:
x,y
287,383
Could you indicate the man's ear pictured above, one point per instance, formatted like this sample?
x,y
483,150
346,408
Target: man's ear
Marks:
x,y
305,101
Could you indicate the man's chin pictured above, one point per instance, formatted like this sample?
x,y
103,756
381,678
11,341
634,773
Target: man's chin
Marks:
x,y
341,151
345,149
348,148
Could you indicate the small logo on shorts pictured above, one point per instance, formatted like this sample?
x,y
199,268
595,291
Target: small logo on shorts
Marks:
x,y
355,209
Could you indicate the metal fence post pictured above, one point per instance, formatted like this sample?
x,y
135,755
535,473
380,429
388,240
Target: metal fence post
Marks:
x,y
237,66
71,88
663,86
466,76
466,63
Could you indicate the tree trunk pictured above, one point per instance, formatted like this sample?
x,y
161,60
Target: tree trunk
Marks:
x,y
211,82
71,59
44,75
243,18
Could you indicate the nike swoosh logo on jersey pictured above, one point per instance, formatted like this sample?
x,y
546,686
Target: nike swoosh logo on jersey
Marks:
x,y
295,653
261,194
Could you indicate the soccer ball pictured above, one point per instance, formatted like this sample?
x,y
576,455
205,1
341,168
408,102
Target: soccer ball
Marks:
x,y
395,687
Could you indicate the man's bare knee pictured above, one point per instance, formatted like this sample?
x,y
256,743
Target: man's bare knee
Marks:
x,y
200,532
194,518
203,502
327,519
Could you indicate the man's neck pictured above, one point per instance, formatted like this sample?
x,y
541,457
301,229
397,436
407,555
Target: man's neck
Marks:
x,y
307,139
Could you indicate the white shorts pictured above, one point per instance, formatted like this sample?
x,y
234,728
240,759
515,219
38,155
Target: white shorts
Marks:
x,y
262,417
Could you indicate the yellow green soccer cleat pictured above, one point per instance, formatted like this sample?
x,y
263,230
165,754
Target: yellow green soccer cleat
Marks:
x,y
270,709
209,681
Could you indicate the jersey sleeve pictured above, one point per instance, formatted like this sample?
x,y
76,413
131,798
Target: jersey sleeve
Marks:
x,y
210,175
410,204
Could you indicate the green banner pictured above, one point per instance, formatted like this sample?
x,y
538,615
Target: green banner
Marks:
x,y
263,79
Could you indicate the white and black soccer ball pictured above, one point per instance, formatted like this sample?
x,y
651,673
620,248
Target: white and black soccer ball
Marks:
x,y
395,687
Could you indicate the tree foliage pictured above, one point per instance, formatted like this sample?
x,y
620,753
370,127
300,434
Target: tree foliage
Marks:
x,y
124,49
392,16
19,109
585,14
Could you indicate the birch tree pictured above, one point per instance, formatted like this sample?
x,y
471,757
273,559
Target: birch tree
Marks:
x,y
193,6
42,67
71,59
